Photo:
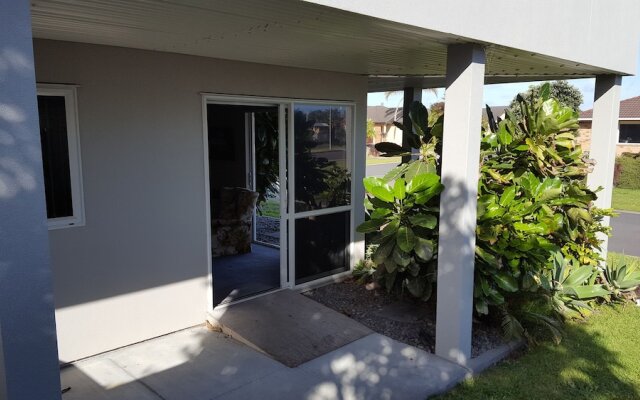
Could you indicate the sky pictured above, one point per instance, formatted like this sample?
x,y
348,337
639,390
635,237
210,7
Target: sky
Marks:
x,y
502,94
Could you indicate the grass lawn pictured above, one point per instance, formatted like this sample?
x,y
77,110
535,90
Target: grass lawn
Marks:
x,y
383,160
270,208
626,199
598,360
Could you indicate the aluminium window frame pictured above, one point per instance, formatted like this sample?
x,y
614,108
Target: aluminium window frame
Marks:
x,y
70,94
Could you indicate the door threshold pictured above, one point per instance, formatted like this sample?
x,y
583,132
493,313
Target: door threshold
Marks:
x,y
242,300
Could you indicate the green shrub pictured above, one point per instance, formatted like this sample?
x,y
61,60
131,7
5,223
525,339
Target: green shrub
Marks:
x,y
629,165
403,215
537,259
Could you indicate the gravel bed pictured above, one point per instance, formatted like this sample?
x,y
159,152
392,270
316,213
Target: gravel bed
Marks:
x,y
405,320
268,230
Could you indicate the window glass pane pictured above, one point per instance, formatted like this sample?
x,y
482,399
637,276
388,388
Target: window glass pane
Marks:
x,y
322,172
629,133
322,246
55,156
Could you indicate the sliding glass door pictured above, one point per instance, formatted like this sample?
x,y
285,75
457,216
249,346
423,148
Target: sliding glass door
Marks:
x,y
320,202
292,161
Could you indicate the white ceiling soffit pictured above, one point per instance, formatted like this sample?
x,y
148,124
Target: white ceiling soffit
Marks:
x,y
284,32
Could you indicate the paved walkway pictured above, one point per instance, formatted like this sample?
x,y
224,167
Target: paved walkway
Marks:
x,y
289,327
625,237
197,364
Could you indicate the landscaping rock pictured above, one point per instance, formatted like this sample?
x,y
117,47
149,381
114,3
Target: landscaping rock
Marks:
x,y
406,320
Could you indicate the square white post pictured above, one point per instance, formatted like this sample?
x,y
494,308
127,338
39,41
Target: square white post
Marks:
x,y
604,138
29,363
411,94
458,202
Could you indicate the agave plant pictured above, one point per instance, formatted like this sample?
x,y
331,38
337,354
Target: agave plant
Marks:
x,y
572,288
621,278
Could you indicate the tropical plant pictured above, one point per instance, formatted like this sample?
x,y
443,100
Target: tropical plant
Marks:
x,y
572,286
533,200
537,247
403,213
621,278
564,92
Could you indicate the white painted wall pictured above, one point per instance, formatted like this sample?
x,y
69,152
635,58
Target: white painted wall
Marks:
x,y
138,268
28,354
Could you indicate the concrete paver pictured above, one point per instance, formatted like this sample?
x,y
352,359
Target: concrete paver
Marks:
x,y
197,364
289,327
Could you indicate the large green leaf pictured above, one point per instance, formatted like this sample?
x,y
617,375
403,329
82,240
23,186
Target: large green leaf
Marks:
x,y
508,196
426,195
577,214
419,117
424,220
421,182
369,226
399,189
405,238
424,249
380,213
400,257
589,292
506,281
383,251
391,149
578,276
378,188
391,228
419,167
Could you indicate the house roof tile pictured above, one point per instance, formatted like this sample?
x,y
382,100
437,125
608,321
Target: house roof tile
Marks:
x,y
629,108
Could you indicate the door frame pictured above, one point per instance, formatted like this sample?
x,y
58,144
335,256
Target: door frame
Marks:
x,y
287,219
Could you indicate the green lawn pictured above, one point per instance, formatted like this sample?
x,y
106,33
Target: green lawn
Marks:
x,y
626,199
270,208
383,160
598,360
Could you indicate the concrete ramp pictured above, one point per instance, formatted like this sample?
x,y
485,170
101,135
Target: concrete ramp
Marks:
x,y
288,327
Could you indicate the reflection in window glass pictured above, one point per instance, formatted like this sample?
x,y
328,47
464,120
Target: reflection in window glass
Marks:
x,y
322,173
55,156
629,133
322,244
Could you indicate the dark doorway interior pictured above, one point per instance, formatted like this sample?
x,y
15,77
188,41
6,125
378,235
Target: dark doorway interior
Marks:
x,y
244,191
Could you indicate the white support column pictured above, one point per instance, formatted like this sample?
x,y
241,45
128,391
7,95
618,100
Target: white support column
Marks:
x,y
460,170
604,138
29,365
411,94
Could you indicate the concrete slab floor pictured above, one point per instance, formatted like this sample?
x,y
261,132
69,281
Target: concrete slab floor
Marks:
x,y
197,364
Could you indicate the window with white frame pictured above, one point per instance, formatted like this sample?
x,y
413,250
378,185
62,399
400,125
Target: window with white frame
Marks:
x,y
57,109
629,133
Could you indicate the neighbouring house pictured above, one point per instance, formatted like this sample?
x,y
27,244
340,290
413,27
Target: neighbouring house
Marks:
x,y
140,139
385,131
628,138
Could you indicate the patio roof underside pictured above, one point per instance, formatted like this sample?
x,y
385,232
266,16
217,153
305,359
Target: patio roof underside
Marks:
x,y
288,33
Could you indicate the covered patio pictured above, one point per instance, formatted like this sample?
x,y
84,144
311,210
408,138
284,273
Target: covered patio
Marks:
x,y
139,265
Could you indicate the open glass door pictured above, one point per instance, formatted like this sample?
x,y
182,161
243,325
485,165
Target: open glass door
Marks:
x,y
320,202
244,190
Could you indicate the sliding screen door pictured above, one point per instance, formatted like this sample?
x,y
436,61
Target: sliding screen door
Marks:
x,y
321,196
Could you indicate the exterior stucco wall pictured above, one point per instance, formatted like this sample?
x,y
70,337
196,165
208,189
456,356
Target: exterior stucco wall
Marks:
x,y
138,268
